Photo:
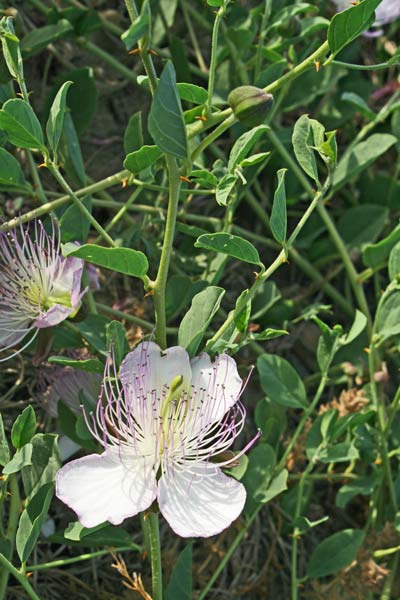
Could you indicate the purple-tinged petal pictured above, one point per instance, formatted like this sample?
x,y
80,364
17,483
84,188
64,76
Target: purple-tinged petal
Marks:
x,y
110,487
198,500
217,386
55,315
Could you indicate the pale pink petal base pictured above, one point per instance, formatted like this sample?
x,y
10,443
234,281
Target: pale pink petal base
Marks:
x,y
198,500
107,487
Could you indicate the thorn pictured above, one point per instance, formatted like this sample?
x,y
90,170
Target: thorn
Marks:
x,y
183,178
317,64
147,294
200,118
152,52
42,165
124,182
135,51
367,350
29,574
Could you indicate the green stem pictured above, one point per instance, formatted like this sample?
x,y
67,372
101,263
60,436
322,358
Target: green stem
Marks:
x,y
50,206
307,413
155,552
228,555
65,186
20,577
261,38
379,407
329,224
15,507
377,67
214,51
296,532
108,59
69,561
132,9
128,317
160,283
265,274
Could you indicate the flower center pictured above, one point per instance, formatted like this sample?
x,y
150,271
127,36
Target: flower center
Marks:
x,y
36,295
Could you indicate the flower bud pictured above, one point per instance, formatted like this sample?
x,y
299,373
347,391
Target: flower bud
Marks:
x,y
250,104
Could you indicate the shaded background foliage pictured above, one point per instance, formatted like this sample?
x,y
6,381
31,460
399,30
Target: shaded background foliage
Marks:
x,y
345,493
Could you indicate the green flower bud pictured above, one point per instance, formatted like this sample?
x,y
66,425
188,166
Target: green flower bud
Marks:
x,y
250,104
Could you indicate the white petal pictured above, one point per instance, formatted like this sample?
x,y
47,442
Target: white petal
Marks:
x,y
107,487
198,500
217,385
149,368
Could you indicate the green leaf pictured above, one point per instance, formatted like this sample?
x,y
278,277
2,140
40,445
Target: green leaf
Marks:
x,y
225,188
4,449
31,521
180,584
303,524
74,226
116,340
101,535
376,255
362,156
140,27
243,146
242,319
55,121
359,103
343,452
82,96
281,382
276,486
133,136
21,125
233,245
39,38
278,221
90,365
194,324
93,329
349,24
358,326
302,142
328,344
394,262
362,486
262,460
362,224
142,159
166,123
192,93
123,260
22,458
11,47
45,463
23,428
11,175
387,320
334,553
71,153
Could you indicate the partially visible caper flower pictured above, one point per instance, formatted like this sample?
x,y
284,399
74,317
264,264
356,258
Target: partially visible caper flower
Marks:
x,y
250,104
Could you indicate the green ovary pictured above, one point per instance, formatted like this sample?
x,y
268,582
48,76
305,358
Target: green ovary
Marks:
x,y
35,295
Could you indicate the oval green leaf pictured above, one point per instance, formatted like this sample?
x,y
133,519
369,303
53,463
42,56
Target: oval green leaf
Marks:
x,y
233,245
123,260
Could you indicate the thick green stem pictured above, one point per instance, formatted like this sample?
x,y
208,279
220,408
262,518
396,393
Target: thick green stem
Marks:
x,y
13,518
261,38
155,551
21,577
160,283
379,407
214,51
